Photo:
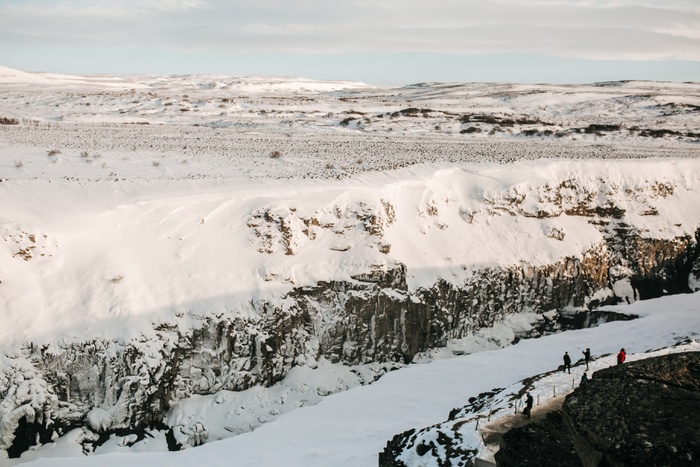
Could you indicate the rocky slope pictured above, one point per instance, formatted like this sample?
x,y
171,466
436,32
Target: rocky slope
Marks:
x,y
544,442
641,413
624,415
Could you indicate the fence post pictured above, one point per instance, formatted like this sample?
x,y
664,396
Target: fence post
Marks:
x,y
538,399
489,419
477,424
554,391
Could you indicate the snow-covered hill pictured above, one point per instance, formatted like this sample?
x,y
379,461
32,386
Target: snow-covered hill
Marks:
x,y
165,239
291,107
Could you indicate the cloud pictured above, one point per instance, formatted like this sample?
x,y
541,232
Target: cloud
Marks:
x,y
613,29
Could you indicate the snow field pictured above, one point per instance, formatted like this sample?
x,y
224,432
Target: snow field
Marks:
x,y
144,252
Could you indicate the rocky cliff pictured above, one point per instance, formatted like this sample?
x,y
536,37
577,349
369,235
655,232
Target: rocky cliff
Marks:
x,y
376,316
641,413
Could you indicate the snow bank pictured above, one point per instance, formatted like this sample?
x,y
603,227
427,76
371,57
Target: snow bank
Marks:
x,y
108,260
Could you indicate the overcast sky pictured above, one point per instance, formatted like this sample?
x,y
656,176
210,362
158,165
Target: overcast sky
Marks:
x,y
376,41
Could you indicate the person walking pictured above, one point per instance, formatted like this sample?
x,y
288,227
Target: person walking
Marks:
x,y
621,357
528,405
587,356
567,362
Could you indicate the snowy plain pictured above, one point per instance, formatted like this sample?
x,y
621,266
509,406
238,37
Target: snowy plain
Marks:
x,y
148,211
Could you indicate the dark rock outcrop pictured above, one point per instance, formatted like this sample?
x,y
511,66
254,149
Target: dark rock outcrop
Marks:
x,y
537,444
641,413
694,276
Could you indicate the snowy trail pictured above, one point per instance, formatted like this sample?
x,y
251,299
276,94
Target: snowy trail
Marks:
x,y
350,428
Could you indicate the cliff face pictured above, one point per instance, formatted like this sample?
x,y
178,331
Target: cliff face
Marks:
x,y
640,413
375,316
370,320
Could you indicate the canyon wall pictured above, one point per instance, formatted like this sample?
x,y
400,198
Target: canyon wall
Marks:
x,y
378,315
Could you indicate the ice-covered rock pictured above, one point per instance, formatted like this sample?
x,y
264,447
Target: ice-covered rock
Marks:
x,y
99,419
694,276
189,436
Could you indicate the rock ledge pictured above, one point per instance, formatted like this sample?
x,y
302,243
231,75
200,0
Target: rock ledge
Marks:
x,y
642,413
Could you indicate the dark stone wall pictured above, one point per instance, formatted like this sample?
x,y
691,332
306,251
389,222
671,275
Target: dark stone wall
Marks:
x,y
543,443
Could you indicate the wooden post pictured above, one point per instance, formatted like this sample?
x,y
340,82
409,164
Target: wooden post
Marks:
x,y
554,391
489,419
538,399
477,424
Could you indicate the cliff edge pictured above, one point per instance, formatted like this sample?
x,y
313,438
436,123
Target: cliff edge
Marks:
x,y
641,413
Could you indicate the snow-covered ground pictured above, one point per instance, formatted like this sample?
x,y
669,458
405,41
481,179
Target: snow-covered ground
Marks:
x,y
350,428
109,258
131,201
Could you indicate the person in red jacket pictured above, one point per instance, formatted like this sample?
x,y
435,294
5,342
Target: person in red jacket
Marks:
x,y
621,357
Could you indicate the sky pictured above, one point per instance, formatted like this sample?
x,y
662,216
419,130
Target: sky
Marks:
x,y
387,43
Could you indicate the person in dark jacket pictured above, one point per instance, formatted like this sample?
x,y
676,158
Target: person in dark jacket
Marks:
x,y
621,357
528,405
587,356
584,378
567,362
